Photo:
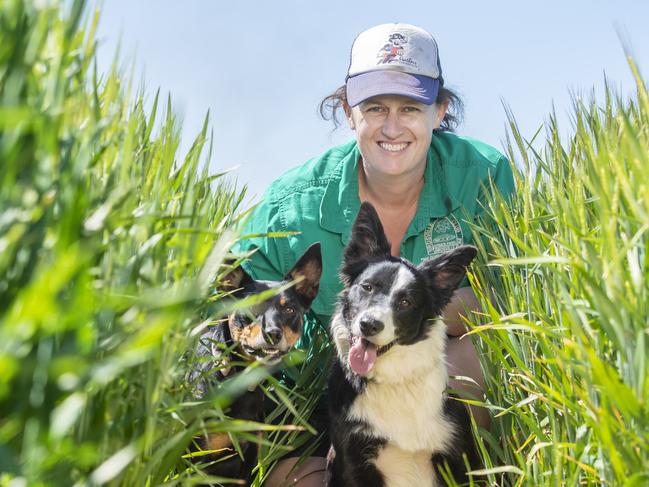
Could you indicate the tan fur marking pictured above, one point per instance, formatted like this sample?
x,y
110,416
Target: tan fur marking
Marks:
x,y
309,285
282,301
290,335
218,441
244,335
247,334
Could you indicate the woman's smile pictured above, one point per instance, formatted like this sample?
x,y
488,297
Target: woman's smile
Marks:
x,y
394,147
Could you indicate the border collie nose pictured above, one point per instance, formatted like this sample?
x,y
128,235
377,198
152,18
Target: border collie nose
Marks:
x,y
371,326
273,335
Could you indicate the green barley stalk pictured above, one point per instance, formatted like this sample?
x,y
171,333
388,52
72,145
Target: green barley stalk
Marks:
x,y
564,347
110,249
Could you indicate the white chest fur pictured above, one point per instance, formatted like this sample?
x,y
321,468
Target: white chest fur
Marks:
x,y
404,468
403,403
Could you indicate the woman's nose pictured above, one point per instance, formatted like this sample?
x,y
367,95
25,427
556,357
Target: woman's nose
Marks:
x,y
392,127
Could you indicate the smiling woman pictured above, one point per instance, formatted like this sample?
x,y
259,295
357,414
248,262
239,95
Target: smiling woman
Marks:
x,y
426,184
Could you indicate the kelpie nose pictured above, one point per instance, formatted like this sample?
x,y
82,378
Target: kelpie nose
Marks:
x,y
273,336
370,326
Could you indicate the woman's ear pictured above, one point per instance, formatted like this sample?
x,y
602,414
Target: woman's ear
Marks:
x,y
348,115
441,113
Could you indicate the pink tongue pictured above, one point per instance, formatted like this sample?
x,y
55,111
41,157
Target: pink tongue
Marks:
x,y
362,356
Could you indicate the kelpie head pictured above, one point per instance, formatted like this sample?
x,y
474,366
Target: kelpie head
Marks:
x,y
271,327
387,300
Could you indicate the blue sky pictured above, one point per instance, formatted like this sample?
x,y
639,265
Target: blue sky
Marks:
x,y
262,67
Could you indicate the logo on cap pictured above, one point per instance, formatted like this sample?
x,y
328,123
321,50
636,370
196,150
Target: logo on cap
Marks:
x,y
393,51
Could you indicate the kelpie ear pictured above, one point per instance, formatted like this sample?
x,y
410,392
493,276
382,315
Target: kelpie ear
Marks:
x,y
444,273
308,267
367,240
234,279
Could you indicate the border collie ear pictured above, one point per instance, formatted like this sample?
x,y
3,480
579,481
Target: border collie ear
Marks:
x,y
234,279
308,267
367,240
445,272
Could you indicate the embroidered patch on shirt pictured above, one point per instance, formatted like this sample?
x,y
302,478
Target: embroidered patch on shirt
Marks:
x,y
443,234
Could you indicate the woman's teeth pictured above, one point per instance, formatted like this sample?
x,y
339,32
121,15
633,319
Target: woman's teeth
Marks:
x,y
393,147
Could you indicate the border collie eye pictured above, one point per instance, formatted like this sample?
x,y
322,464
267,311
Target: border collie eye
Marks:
x,y
289,310
367,287
404,303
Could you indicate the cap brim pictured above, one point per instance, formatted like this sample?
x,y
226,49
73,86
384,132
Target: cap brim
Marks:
x,y
363,86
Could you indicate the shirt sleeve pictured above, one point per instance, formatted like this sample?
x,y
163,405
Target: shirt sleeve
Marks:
x,y
501,179
502,182
266,261
504,178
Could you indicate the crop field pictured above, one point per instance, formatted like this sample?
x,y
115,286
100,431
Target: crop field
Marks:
x,y
112,249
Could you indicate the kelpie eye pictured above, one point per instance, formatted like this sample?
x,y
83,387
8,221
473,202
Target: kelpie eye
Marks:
x,y
289,310
367,287
404,303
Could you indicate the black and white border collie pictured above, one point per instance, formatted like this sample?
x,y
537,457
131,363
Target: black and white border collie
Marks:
x,y
392,423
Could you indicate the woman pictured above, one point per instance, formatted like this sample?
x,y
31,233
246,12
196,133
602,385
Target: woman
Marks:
x,y
425,183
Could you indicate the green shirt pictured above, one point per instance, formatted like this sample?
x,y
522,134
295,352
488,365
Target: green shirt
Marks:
x,y
320,200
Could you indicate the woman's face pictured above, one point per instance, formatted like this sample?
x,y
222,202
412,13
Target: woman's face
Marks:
x,y
393,133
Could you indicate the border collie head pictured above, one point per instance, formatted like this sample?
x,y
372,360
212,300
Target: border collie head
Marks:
x,y
387,301
271,327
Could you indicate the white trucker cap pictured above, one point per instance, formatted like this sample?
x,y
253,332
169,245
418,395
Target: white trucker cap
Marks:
x,y
394,59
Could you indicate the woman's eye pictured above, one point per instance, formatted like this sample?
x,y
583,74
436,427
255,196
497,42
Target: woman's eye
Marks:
x,y
404,303
367,287
289,310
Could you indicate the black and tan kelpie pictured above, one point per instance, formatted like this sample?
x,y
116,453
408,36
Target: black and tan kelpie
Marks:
x,y
266,331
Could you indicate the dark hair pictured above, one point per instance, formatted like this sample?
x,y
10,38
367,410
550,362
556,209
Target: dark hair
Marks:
x,y
331,105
